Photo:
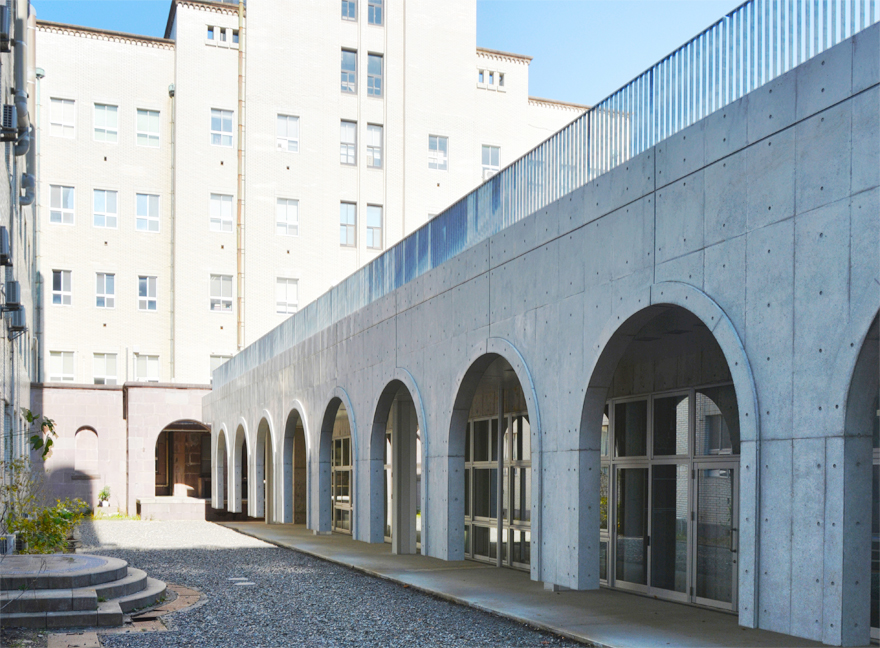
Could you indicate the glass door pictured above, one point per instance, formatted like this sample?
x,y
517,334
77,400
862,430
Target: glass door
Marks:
x,y
715,537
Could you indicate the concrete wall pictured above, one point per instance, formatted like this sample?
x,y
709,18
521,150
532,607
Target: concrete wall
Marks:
x,y
762,221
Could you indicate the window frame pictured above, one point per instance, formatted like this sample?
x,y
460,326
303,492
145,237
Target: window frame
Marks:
x,y
348,78
149,135
374,88
61,123
288,202
106,214
62,376
223,302
150,360
220,134
352,4
287,138
372,230
108,297
287,282
219,220
347,150
346,227
372,148
434,160
105,129
376,7
62,211
105,377
147,219
144,300
61,293
488,170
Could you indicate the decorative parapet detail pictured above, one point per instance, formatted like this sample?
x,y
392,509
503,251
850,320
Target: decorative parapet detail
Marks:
x,y
496,55
104,35
558,105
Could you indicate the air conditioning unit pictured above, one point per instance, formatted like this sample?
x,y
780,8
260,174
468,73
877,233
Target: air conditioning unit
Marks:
x,y
13,295
17,321
488,173
5,256
5,41
9,125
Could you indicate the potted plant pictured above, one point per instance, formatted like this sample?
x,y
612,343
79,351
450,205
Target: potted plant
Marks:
x,y
104,497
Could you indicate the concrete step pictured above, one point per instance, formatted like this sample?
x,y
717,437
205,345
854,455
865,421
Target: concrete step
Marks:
x,y
107,614
58,571
134,582
154,591
53,600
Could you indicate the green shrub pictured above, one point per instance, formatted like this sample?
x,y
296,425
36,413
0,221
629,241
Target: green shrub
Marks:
x,y
47,529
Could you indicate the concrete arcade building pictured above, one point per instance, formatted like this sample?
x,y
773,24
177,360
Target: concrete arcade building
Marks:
x,y
644,356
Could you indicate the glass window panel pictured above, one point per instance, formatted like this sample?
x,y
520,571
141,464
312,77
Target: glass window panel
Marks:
x,y
522,494
715,550
671,425
485,541
521,546
631,429
467,492
485,492
603,561
481,440
875,549
716,421
632,525
603,497
669,518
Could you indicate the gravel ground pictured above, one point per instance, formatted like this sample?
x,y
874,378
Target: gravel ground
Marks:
x,y
296,600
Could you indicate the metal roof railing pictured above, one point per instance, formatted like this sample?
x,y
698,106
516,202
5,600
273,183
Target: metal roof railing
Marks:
x,y
751,45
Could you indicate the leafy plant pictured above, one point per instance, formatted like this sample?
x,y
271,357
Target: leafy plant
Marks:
x,y
43,436
22,489
104,495
46,529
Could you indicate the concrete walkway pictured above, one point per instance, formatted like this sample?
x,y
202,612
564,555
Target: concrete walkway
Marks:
x,y
603,618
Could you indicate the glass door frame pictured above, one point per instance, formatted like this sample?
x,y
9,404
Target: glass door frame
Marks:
x,y
875,631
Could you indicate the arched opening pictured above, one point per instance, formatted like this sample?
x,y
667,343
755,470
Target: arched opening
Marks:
x,y
294,470
222,466
863,430
85,458
396,471
183,460
239,486
490,445
336,470
661,424
264,473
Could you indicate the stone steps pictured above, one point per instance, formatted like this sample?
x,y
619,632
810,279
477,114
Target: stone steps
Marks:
x,y
32,594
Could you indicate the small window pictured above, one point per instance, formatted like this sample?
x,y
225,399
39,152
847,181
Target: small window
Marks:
x,y
104,210
235,37
147,293
491,160
222,35
61,366
220,213
481,76
221,293
286,295
62,116
374,75
106,123
348,143
148,128
146,368
287,217
62,295
349,9
61,200
104,368
347,224
438,149
500,79
374,12
210,32
217,360
105,290
491,78
221,127
287,133
349,71
374,146
374,227
147,219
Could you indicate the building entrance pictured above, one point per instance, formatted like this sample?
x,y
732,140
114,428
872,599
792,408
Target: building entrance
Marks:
x,y
669,495
340,472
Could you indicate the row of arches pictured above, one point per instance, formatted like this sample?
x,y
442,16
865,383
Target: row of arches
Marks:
x,y
665,460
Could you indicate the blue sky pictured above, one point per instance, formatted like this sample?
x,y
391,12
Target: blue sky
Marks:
x,y
583,49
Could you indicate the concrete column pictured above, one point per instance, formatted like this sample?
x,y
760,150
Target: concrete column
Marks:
x,y
403,478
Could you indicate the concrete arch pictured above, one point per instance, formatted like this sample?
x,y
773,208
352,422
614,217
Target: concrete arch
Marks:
x,y
608,349
400,377
263,463
235,465
220,467
336,397
286,447
466,384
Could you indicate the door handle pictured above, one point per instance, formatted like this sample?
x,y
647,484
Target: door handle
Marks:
x,y
734,540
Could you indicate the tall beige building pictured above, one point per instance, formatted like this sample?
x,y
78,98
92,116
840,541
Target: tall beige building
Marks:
x,y
361,119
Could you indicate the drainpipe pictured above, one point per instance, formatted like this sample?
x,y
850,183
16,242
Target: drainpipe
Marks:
x,y
20,77
239,221
172,354
38,277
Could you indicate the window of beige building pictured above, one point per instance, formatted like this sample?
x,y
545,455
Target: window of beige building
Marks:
x,y
62,117
221,293
146,368
61,366
220,213
147,219
374,227
148,128
287,217
221,127
286,295
349,71
374,146
217,360
105,290
374,12
61,201
104,208
287,133
106,123
147,286
349,9
104,369
347,224
62,287
374,75
348,142
491,160
438,149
